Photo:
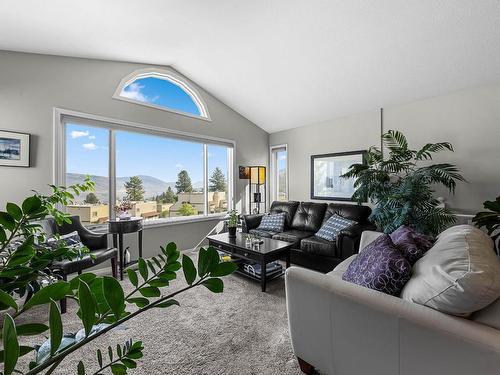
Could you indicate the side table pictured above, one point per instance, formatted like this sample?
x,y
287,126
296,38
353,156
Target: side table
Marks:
x,y
120,227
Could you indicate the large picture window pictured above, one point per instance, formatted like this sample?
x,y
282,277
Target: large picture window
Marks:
x,y
158,176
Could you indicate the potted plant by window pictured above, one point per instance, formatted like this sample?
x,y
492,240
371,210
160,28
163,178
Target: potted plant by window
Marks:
x,y
232,223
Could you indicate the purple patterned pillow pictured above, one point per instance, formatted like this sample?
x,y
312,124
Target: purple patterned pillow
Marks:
x,y
412,245
380,266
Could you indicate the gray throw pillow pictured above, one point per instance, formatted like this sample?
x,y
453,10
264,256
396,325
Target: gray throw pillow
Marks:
x,y
273,222
332,227
71,240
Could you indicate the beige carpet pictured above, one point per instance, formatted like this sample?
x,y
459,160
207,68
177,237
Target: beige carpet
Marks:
x,y
241,331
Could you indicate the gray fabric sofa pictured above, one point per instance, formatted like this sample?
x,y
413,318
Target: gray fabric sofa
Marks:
x,y
339,328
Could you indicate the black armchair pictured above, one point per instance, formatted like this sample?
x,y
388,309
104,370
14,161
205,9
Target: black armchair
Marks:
x,y
97,243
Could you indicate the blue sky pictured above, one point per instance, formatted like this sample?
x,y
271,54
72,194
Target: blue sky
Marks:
x,y
160,92
138,154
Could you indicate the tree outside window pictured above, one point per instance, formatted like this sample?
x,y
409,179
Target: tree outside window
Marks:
x,y
134,189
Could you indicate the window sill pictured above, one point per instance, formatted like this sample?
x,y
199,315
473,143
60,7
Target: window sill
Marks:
x,y
181,220
103,228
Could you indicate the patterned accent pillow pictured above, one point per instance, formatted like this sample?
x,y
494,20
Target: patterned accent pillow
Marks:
x,y
380,266
273,222
332,227
411,244
71,240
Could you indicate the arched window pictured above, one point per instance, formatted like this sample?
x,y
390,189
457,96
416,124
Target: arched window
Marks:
x,y
162,89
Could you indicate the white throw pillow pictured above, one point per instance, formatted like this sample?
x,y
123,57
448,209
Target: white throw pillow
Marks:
x,y
460,274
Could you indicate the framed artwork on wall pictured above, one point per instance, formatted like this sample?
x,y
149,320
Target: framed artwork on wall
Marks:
x,y
244,172
326,170
14,149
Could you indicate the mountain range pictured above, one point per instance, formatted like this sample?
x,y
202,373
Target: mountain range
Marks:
x,y
153,186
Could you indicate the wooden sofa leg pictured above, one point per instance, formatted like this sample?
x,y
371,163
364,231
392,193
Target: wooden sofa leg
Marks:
x,y
305,367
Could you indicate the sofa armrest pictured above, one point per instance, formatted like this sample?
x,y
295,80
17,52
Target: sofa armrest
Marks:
x,y
251,222
348,239
93,240
330,319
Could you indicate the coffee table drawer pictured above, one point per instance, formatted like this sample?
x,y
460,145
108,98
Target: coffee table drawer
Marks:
x,y
221,247
247,254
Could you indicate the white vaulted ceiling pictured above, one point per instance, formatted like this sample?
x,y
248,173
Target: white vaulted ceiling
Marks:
x,y
280,63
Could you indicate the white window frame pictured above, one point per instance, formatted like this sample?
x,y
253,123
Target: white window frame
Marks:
x,y
172,77
64,116
273,181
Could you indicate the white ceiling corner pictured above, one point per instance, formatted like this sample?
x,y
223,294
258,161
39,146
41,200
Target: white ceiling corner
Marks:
x,y
280,63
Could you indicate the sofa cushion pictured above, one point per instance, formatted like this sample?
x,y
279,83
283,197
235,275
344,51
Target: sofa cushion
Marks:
x,y
460,274
354,212
380,266
262,233
289,208
272,222
292,235
332,227
308,216
412,245
318,245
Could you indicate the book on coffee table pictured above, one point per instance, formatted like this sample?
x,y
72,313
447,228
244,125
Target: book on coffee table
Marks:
x,y
256,269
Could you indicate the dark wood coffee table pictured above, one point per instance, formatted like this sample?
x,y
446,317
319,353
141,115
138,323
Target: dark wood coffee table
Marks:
x,y
269,251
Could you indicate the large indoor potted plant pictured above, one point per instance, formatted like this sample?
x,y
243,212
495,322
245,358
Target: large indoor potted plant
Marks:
x,y
401,184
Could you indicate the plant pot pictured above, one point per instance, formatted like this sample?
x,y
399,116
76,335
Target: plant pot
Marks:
x,y
232,231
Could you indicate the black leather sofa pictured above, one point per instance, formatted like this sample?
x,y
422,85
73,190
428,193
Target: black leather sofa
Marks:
x,y
303,220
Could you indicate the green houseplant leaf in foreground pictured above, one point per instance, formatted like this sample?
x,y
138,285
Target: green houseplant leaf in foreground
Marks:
x,y
102,304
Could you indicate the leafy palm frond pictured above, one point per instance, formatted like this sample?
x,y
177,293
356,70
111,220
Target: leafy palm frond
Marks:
x,y
373,156
444,173
355,170
426,151
395,166
395,140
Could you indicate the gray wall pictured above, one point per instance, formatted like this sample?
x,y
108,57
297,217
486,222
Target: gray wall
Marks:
x,y
469,119
32,85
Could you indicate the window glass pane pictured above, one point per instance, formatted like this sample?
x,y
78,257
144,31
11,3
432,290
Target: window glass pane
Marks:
x,y
217,179
281,177
87,154
158,177
160,92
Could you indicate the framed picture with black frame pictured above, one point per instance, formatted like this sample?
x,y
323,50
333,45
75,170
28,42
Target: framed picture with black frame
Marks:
x,y
14,149
326,169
